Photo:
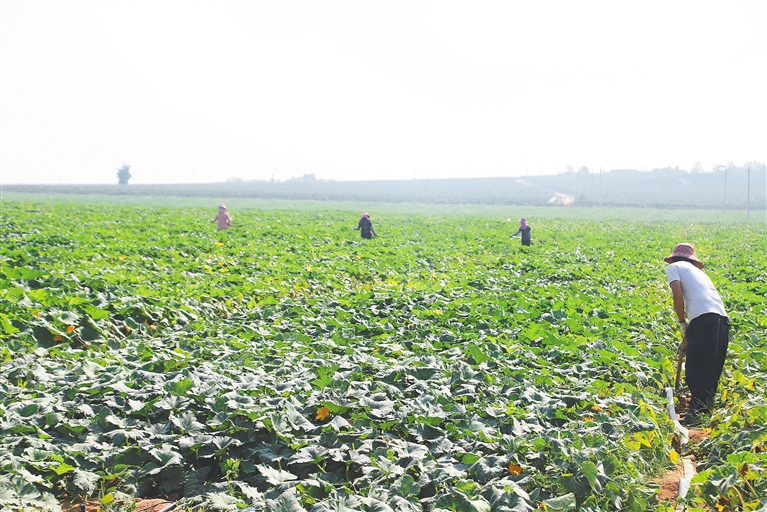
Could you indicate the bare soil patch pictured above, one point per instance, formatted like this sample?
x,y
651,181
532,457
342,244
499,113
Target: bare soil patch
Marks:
x,y
142,505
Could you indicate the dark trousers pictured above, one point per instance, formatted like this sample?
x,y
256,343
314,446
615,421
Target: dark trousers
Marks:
x,y
707,339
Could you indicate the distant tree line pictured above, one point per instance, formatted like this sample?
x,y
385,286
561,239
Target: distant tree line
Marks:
x,y
726,187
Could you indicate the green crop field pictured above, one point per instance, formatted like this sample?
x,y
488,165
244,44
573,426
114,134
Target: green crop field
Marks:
x,y
288,365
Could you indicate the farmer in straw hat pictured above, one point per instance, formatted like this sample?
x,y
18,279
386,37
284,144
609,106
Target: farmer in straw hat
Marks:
x,y
365,227
524,228
706,328
222,218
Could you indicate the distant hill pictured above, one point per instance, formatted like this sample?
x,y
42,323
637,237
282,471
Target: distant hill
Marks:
x,y
659,188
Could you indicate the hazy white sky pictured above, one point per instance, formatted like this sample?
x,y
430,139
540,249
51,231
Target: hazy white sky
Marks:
x,y
203,91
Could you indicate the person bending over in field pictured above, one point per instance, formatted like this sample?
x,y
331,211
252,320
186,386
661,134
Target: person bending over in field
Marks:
x,y
222,218
365,227
706,336
524,228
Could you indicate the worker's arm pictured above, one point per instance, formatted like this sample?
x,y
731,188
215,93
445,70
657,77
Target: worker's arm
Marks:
x,y
515,233
676,292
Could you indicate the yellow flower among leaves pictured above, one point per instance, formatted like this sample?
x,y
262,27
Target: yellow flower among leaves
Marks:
x,y
515,469
70,329
322,414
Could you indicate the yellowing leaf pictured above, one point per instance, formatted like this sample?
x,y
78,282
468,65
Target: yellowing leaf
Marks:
x,y
57,338
588,418
322,414
674,456
121,258
220,244
106,500
596,408
515,469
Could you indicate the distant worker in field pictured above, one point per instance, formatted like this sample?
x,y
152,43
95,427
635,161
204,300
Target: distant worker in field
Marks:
x,y
222,218
705,330
365,227
524,228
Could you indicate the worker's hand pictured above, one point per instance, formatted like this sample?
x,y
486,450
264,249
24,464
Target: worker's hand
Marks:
x,y
682,326
680,349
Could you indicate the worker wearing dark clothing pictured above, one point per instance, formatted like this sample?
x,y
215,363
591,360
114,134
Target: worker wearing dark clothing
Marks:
x,y
365,227
524,228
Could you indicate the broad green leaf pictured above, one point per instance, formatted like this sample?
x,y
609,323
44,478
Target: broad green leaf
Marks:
x,y
223,502
5,323
63,468
180,387
405,486
322,382
30,273
335,408
164,458
590,472
187,422
95,313
273,453
476,353
28,410
286,502
297,419
69,318
275,476
560,503
85,480
459,501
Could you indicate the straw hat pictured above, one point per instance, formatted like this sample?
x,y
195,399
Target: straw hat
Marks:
x,y
684,251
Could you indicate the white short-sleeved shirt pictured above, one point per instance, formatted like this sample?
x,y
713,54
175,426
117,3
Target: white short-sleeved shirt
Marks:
x,y
700,295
